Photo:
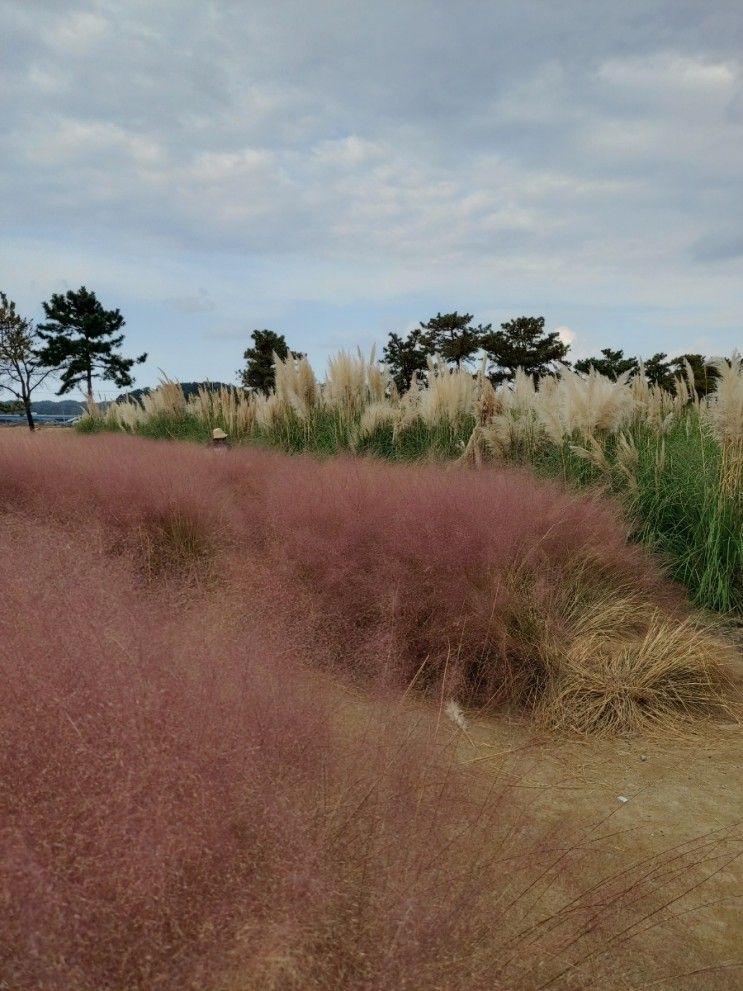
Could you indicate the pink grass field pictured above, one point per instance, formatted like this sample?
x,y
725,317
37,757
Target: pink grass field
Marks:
x,y
387,567
190,796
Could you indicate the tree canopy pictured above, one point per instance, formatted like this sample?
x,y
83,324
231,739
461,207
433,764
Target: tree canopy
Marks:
x,y
82,339
259,372
404,356
611,363
523,343
704,373
453,337
658,370
22,370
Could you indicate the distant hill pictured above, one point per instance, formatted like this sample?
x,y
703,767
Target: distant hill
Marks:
x,y
62,407
74,407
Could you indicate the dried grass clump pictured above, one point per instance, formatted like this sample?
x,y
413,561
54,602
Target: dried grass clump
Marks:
x,y
376,416
585,405
127,415
177,546
233,410
449,395
296,386
631,668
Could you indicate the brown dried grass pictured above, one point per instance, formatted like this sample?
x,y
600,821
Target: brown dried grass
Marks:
x,y
632,668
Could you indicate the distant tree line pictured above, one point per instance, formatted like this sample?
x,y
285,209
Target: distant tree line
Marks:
x,y
80,341
658,369
521,342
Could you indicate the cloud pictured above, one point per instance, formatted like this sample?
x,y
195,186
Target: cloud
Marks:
x,y
200,302
515,154
566,335
75,32
719,245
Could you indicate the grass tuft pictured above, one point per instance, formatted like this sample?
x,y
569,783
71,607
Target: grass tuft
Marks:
x,y
631,669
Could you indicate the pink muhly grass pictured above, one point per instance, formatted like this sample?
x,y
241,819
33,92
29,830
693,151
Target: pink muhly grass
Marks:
x,y
183,804
388,566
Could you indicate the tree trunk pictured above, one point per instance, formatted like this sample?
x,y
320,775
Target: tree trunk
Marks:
x,y
89,378
29,414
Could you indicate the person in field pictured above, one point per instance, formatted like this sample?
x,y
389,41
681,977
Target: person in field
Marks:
x,y
219,440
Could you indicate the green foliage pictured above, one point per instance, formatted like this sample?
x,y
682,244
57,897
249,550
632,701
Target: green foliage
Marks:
x,y
188,389
523,343
676,507
164,426
259,372
452,336
82,338
611,363
330,432
520,343
705,375
404,356
22,369
682,512
658,371
90,425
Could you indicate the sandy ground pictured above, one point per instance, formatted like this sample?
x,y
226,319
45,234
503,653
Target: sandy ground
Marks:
x,y
647,796
673,791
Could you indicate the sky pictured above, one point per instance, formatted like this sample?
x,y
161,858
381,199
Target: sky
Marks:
x,y
335,171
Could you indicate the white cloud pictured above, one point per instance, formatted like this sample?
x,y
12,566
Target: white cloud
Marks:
x,y
75,32
348,151
663,75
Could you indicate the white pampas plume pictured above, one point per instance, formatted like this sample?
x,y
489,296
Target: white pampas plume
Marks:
x,y
454,712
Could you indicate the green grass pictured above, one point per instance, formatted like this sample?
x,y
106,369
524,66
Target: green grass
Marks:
x,y
679,511
682,512
184,427
677,508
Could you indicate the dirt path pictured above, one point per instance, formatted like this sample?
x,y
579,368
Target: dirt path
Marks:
x,y
657,794
648,795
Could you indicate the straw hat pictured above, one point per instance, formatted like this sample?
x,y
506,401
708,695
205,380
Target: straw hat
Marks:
x,y
218,434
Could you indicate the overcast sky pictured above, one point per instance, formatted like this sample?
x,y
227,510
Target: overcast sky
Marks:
x,y
337,170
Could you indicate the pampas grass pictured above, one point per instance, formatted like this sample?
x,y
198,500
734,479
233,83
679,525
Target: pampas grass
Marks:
x,y
724,415
675,460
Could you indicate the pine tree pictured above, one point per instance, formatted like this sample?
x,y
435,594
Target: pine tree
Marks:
x,y
523,343
404,357
259,372
658,370
611,363
21,369
82,338
452,336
